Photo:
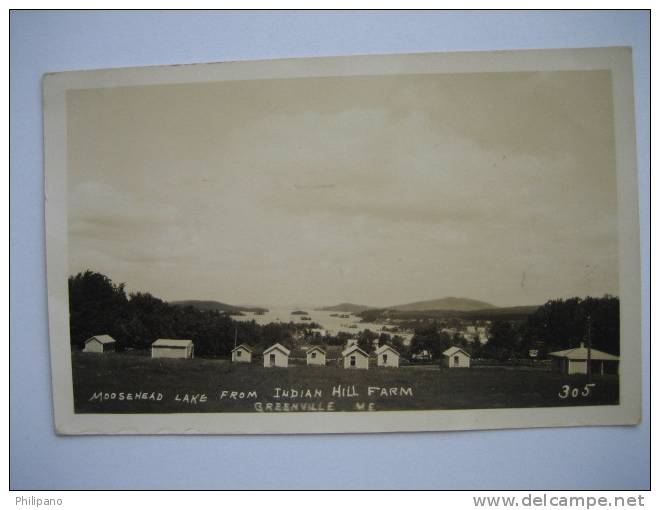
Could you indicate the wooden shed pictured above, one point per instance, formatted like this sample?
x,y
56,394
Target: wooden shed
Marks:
x,y
574,361
276,356
242,353
355,358
455,357
100,344
316,355
172,348
387,356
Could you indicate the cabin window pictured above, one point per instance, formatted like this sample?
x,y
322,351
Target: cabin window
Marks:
x,y
352,361
455,361
384,358
238,354
313,355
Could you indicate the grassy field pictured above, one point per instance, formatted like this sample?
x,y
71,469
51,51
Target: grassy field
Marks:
x,y
103,383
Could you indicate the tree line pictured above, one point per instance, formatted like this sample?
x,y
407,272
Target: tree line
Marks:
x,y
136,320
557,325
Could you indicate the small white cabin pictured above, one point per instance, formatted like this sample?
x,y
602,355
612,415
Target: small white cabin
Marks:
x,y
574,361
276,356
172,348
387,356
100,343
316,356
354,357
242,353
455,357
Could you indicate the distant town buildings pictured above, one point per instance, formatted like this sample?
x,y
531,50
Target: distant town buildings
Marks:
x,y
469,332
423,355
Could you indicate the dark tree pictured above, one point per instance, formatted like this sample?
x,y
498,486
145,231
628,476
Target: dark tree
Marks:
x,y
96,306
503,341
559,324
430,339
366,339
563,324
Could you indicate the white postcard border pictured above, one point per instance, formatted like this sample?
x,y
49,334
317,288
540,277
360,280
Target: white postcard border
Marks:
x,y
618,60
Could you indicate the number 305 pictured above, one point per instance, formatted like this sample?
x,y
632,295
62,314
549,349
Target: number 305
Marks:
x,y
567,391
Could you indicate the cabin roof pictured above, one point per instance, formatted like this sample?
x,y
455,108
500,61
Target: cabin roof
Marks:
x,y
104,339
581,353
454,350
351,349
171,342
247,347
386,347
279,347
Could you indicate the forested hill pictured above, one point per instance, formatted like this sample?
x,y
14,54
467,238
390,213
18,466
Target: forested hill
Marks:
x,y
453,304
218,306
447,303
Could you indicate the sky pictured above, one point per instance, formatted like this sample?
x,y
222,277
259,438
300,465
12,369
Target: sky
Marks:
x,y
377,190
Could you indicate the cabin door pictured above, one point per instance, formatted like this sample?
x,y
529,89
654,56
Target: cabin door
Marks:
x,y
456,362
272,360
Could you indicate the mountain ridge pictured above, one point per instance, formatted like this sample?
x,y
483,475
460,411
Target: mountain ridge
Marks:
x,y
458,304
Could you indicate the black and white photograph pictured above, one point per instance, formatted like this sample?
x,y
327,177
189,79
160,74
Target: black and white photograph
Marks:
x,y
358,244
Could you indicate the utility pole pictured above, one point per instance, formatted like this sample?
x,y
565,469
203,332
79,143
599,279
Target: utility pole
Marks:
x,y
235,336
588,348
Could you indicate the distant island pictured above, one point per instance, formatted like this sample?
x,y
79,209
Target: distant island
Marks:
x,y
299,312
345,307
218,306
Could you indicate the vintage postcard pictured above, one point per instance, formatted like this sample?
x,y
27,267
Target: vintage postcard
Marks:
x,y
355,244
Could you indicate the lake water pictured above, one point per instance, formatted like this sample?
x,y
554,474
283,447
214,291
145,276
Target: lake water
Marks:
x,y
332,325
